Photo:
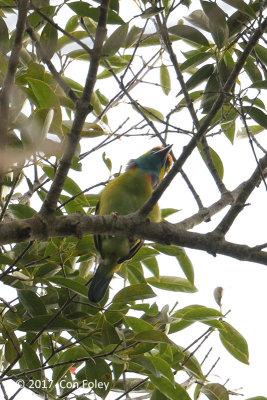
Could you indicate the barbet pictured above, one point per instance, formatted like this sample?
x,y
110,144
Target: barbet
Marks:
x,y
124,195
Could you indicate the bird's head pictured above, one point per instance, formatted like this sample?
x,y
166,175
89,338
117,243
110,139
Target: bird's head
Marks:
x,y
156,163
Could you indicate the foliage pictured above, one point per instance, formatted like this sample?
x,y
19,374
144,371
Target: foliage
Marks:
x,y
50,332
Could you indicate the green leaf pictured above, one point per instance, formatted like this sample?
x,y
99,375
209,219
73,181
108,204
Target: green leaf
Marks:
x,y
152,265
195,60
257,398
98,371
134,292
133,36
73,353
258,115
181,256
151,11
48,39
138,324
37,323
189,33
234,342
217,22
31,359
165,79
215,391
4,38
261,53
259,84
173,392
72,23
253,129
32,303
115,41
163,368
198,18
12,347
166,212
152,336
109,334
144,253
200,76
215,158
202,314
152,114
44,94
22,211
241,6
90,130
81,8
157,395
107,161
252,70
172,283
70,284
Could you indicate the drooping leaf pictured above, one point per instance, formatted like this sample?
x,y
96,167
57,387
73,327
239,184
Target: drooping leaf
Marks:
x,y
70,284
241,6
215,391
172,283
215,158
31,358
32,302
37,323
181,256
44,94
202,74
258,115
137,324
261,53
173,392
98,370
134,292
48,39
198,18
253,129
217,22
22,211
4,37
115,41
165,80
152,114
152,336
234,342
189,33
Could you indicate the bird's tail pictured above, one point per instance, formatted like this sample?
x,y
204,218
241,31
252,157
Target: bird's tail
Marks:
x,y
99,285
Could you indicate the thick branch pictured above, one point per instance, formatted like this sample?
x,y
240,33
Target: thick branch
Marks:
x,y
163,232
148,206
83,108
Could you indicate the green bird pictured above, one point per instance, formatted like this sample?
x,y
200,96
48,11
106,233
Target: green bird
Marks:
x,y
124,195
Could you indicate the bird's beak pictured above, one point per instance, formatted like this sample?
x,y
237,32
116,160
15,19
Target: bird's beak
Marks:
x,y
163,153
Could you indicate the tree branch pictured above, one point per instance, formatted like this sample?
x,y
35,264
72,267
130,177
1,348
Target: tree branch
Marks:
x,y
82,110
150,203
163,232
